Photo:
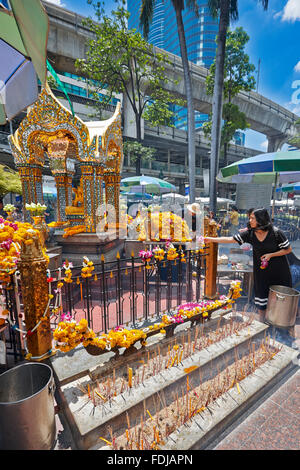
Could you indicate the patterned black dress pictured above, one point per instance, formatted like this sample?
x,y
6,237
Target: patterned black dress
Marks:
x,y
278,270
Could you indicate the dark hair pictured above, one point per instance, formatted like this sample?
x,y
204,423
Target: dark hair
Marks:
x,y
249,211
263,219
234,208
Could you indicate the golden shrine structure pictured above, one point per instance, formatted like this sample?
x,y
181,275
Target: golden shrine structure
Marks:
x,y
50,131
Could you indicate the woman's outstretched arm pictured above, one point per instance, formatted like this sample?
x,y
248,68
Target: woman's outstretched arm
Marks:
x,y
219,240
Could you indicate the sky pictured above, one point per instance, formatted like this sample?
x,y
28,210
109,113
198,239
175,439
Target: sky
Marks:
x,y
274,38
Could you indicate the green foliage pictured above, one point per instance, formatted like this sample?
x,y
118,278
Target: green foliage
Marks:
x,y
138,151
214,7
122,60
10,181
238,71
238,76
234,119
296,140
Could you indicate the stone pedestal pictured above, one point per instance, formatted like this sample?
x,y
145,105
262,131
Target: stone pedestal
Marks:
x,y
88,244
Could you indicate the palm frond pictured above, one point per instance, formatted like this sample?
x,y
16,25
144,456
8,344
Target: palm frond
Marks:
x,y
213,6
265,4
233,10
146,16
193,5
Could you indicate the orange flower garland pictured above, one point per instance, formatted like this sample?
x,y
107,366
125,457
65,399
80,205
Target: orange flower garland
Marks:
x,y
12,236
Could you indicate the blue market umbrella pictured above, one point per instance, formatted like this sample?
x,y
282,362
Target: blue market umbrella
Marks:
x,y
289,188
266,168
132,195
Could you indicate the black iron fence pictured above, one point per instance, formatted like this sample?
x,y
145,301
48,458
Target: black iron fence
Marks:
x,y
120,292
128,290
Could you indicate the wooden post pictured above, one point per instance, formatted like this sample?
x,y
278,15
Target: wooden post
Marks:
x,y
210,285
32,267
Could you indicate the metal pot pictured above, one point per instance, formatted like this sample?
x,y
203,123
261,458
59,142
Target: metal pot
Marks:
x,y
282,306
27,415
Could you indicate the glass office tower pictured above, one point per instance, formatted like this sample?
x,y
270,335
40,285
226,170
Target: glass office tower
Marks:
x,y
200,39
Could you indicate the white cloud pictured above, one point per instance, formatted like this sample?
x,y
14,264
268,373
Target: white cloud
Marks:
x,y
291,11
297,67
264,145
59,3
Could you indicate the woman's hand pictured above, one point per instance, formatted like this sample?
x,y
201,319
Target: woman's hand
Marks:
x,y
266,257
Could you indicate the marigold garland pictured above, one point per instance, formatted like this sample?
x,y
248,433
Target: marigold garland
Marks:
x,y
164,226
70,231
88,267
69,334
12,235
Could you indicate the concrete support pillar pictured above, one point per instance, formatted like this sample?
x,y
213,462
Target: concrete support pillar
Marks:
x,y
275,142
129,129
169,160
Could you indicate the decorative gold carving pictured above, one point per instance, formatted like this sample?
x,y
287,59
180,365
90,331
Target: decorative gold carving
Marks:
x,y
50,129
32,267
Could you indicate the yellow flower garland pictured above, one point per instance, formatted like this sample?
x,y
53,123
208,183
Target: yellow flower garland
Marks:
x,y
12,236
68,335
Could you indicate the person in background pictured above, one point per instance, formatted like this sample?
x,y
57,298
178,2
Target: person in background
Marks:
x,y
249,211
193,209
270,247
18,214
234,220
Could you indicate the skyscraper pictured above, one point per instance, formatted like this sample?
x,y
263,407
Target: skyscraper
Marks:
x,y
200,39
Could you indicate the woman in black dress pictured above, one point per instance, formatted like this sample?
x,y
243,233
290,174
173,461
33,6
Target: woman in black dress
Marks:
x,y
270,246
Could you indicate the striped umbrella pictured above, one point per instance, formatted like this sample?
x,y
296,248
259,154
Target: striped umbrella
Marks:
x,y
148,184
266,168
23,49
289,188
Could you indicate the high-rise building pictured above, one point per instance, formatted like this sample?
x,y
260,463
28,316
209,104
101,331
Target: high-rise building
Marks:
x,y
200,39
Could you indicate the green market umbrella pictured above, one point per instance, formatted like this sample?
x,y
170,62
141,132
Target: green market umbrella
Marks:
x,y
148,184
289,188
266,168
24,29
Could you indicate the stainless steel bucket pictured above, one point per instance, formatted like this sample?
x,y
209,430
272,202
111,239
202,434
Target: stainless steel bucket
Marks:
x,y
282,306
27,415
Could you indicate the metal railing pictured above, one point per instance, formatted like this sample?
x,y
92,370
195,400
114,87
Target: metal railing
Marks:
x,y
130,290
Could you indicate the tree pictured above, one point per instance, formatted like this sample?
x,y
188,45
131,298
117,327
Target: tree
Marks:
x,y
10,181
146,16
121,61
238,76
226,10
296,140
